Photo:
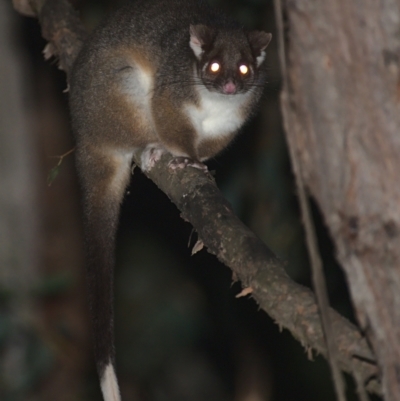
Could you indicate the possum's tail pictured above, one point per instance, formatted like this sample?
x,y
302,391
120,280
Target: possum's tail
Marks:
x,y
109,384
104,175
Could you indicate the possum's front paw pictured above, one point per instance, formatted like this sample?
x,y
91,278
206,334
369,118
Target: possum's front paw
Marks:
x,y
150,156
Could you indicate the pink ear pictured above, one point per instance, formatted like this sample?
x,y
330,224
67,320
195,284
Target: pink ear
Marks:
x,y
201,37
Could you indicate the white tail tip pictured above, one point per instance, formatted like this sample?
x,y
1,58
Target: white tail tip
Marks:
x,y
109,384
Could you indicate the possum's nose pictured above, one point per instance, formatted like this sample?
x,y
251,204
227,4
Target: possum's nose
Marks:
x,y
229,88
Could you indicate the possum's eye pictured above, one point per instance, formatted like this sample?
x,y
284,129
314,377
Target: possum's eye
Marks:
x,y
244,70
214,67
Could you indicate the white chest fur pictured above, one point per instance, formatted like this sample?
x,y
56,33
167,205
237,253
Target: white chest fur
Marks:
x,y
217,115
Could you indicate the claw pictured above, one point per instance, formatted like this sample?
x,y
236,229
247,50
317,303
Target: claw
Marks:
x,y
180,162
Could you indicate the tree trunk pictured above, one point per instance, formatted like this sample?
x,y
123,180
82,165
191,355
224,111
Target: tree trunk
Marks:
x,y
341,112
19,217
43,330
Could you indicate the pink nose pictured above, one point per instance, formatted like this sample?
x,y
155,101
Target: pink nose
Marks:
x,y
229,88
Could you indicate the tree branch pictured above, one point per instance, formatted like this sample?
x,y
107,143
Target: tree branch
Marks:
x,y
291,306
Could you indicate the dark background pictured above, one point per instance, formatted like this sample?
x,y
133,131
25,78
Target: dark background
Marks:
x,y
180,332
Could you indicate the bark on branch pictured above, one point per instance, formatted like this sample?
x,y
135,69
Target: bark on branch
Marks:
x,y
292,306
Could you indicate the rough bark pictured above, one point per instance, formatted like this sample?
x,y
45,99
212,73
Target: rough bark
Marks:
x,y
292,306
342,119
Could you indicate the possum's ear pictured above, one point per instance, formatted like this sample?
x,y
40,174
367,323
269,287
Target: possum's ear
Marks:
x,y
201,39
259,40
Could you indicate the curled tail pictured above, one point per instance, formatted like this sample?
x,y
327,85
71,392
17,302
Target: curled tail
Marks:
x,y
104,175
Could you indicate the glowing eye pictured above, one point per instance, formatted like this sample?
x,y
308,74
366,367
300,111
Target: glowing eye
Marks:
x,y
243,69
215,67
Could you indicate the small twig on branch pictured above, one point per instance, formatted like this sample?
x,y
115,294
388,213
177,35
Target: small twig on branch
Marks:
x,y
196,195
61,157
56,169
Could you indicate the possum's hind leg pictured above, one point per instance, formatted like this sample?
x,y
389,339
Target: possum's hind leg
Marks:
x,y
104,176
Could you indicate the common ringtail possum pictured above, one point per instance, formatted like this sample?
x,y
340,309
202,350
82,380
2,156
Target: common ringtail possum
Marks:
x,y
157,76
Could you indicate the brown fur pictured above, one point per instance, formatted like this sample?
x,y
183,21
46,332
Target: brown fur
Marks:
x,y
175,131
213,146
